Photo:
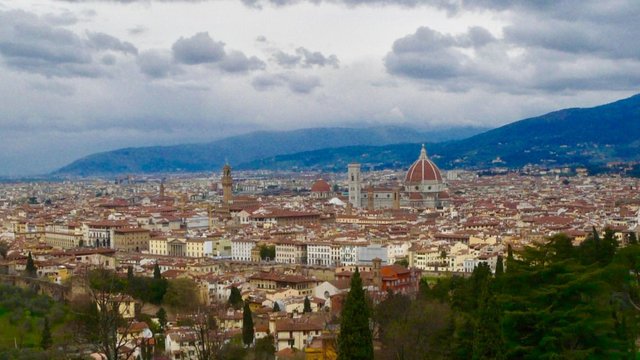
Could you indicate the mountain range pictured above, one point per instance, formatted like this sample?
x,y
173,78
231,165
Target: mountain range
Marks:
x,y
243,149
575,136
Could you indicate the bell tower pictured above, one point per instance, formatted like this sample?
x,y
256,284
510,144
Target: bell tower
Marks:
x,y
355,185
227,183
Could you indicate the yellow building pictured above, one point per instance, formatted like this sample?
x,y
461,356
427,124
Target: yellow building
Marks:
x,y
59,276
131,239
321,347
180,247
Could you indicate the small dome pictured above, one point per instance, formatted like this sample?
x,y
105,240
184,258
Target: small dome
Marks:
x,y
423,169
321,186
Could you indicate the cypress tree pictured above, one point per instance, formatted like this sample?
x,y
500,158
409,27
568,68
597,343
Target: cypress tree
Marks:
x,y
130,274
45,340
276,307
31,269
608,246
162,317
4,249
355,341
247,325
235,298
156,271
307,305
499,266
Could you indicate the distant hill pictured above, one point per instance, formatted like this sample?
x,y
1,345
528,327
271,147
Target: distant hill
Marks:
x,y
577,136
247,148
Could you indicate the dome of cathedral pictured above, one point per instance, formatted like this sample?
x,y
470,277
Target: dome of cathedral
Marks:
x,y
321,186
423,169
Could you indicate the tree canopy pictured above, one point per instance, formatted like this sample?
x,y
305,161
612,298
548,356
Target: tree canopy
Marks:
x,y
552,300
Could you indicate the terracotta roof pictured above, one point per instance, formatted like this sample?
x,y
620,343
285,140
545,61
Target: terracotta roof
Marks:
x,y
321,186
423,169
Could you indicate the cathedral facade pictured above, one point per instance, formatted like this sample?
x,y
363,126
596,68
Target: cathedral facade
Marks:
x,y
422,188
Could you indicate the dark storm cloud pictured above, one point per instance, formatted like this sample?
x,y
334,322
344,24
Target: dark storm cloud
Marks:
x,y
296,83
316,58
41,44
429,54
198,49
201,49
108,59
536,53
156,63
305,58
236,61
606,40
286,60
102,41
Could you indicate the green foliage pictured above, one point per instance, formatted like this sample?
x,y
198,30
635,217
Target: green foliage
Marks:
x,y
555,301
276,307
45,339
307,305
22,318
413,329
265,348
161,314
268,252
402,262
554,306
182,295
107,281
355,341
247,325
235,298
233,350
595,250
142,288
147,289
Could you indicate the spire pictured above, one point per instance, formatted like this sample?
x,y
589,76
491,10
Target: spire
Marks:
x,y
423,152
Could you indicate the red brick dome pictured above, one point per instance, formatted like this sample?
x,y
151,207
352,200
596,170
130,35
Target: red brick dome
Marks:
x,y
321,186
423,169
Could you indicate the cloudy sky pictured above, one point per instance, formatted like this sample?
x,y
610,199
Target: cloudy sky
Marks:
x,y
82,76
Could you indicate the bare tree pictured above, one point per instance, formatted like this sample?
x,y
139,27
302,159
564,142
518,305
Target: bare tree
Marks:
x,y
209,337
104,317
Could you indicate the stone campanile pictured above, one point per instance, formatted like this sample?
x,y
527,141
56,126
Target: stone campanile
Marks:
x,y
227,183
355,185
